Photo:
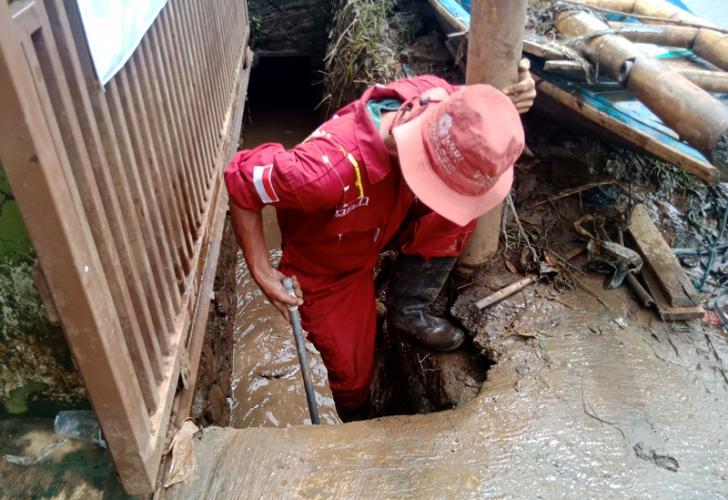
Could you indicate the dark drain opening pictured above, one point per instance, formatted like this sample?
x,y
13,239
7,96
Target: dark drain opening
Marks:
x,y
283,83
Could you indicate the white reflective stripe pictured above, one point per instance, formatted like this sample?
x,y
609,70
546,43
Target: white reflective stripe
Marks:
x,y
263,184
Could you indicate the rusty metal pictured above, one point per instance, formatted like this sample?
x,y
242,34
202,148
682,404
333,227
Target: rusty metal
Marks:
x,y
121,190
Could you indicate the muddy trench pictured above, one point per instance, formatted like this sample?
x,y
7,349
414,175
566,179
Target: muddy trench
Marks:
x,y
249,375
565,386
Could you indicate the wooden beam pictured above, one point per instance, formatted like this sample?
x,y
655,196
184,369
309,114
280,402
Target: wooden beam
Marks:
x,y
669,274
494,48
578,105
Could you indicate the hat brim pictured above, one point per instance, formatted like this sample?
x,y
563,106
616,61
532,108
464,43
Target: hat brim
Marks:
x,y
429,188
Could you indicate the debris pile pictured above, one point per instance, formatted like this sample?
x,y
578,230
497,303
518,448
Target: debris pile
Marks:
x,y
379,42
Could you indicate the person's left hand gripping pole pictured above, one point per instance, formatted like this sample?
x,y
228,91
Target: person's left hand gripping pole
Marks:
x,y
302,358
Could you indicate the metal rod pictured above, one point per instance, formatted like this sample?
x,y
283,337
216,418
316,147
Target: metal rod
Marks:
x,y
302,358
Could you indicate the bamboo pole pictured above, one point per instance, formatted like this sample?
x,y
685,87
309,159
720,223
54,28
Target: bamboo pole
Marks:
x,y
669,36
695,115
709,44
710,81
494,49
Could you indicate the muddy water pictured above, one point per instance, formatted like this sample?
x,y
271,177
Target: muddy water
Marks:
x,y
266,380
585,401
267,390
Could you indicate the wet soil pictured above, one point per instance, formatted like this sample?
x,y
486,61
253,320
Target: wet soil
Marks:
x,y
212,390
70,468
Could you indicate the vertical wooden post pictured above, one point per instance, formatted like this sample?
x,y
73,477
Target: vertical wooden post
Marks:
x,y
494,49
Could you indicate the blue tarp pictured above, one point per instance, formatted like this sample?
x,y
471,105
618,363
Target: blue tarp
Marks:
x,y
114,28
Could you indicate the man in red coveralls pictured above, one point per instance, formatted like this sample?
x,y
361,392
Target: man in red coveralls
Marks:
x,y
409,166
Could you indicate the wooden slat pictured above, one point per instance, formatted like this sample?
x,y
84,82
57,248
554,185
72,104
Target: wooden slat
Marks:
x,y
150,223
154,199
69,259
192,159
195,67
178,56
147,96
676,286
80,162
160,190
97,153
666,311
209,110
121,179
216,58
210,48
151,49
109,122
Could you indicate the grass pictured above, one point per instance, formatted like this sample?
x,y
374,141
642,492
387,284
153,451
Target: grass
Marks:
x,y
362,51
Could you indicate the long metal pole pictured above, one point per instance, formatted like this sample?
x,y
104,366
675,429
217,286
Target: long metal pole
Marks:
x,y
302,358
495,44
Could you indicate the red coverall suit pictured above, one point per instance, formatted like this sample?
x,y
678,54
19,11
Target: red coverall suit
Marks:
x,y
340,201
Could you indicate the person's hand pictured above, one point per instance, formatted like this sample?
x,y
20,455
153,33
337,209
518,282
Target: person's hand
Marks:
x,y
522,93
270,281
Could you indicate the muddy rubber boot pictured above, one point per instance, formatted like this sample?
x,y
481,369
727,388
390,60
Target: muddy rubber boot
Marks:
x,y
361,413
413,287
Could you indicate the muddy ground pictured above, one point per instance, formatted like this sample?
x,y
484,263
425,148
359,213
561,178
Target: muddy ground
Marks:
x,y
565,388
584,400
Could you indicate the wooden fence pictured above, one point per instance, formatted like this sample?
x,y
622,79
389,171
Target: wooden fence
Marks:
x,y
121,190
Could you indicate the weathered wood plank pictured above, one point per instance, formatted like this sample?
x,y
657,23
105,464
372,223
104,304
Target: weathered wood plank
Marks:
x,y
69,258
675,284
664,309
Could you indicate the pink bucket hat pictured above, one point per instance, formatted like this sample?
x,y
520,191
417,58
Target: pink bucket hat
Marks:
x,y
457,156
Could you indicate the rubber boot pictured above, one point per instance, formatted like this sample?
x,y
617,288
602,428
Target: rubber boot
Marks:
x,y
413,287
361,413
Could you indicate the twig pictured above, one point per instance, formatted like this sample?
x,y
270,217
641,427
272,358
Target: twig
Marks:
x,y
588,290
521,231
571,191
597,417
506,292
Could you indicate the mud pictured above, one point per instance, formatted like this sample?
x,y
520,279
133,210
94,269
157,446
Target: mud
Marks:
x,y
598,404
266,385
212,388
267,390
